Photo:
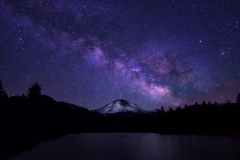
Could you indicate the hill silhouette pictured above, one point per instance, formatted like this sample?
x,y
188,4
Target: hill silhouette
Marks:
x,y
27,120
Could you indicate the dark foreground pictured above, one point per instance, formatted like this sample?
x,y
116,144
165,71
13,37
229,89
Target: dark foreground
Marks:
x,y
24,122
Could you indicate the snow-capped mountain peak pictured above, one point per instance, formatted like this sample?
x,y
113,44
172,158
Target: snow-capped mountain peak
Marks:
x,y
120,106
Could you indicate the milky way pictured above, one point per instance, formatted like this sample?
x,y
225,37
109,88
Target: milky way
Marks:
x,y
151,53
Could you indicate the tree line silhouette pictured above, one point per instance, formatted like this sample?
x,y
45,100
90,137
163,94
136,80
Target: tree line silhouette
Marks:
x,y
28,119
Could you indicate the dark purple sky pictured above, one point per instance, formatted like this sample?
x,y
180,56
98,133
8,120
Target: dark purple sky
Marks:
x,y
151,53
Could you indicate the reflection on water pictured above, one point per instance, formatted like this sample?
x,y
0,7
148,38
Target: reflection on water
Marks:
x,y
116,146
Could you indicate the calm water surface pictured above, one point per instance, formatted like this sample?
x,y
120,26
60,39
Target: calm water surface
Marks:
x,y
139,146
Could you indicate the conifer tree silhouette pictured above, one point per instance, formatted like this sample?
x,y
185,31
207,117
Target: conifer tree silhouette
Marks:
x,y
209,103
162,109
238,98
228,101
34,91
178,108
3,94
204,103
170,109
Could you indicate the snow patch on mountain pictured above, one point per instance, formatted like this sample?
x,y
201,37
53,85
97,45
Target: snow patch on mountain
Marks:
x,y
120,106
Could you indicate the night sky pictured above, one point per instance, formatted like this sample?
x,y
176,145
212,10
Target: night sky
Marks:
x,y
152,53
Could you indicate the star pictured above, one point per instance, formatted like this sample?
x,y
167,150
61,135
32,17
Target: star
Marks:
x,y
91,53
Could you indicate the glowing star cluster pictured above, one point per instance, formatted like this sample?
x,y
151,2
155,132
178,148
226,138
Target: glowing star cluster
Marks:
x,y
148,52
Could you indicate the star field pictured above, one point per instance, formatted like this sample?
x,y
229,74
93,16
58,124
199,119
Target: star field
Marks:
x,y
151,53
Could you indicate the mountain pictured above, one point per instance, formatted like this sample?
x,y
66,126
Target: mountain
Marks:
x,y
120,106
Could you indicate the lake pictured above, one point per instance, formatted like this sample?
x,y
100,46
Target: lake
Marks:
x,y
139,146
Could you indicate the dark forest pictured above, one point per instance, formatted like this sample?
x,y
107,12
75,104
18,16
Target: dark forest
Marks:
x,y
28,119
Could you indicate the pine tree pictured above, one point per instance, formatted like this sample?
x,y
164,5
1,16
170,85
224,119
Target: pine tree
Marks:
x,y
186,106
162,109
204,103
23,96
34,91
238,98
3,94
178,108
228,101
209,103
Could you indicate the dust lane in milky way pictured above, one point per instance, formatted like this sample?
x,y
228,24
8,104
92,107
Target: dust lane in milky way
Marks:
x,y
148,52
